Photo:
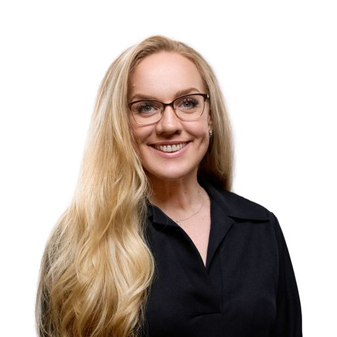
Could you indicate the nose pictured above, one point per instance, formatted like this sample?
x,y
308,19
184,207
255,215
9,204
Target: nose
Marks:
x,y
169,123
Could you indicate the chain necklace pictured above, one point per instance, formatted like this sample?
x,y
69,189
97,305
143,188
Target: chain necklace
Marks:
x,y
189,217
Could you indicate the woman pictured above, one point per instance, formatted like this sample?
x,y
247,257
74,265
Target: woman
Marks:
x,y
153,243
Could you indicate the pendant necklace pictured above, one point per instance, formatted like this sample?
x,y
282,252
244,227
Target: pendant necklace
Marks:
x,y
189,217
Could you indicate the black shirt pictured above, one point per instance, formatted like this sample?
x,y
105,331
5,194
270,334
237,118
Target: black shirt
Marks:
x,y
247,288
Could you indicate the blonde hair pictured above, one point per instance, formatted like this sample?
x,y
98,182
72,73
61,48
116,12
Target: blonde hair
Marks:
x,y
97,268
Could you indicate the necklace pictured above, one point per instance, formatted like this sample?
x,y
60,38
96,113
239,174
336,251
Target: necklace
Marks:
x,y
189,217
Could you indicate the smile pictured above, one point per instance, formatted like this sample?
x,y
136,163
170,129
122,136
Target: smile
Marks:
x,y
170,148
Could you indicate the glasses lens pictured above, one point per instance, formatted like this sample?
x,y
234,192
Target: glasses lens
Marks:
x,y
146,112
189,107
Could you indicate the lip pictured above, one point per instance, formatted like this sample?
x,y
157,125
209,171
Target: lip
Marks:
x,y
169,142
170,155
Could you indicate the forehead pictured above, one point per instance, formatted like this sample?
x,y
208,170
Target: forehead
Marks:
x,y
163,74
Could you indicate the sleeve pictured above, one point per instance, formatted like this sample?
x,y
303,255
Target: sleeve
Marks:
x,y
288,322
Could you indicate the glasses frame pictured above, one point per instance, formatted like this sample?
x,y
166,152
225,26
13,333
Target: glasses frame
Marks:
x,y
205,96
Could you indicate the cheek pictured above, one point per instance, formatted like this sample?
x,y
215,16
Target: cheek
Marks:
x,y
136,131
199,130
140,137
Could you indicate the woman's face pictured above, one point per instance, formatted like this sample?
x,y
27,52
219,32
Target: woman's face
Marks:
x,y
164,77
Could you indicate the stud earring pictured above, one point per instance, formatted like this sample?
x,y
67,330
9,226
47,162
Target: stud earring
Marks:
x,y
210,132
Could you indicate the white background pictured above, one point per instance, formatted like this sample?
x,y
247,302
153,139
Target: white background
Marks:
x,y
276,62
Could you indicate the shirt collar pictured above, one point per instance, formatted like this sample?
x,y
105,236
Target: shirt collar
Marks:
x,y
231,205
234,205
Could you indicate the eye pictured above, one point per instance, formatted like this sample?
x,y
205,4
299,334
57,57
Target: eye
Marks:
x,y
188,103
145,108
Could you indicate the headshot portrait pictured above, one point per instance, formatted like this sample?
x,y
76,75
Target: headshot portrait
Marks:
x,y
154,243
160,182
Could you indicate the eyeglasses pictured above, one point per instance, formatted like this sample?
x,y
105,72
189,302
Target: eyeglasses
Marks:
x,y
187,108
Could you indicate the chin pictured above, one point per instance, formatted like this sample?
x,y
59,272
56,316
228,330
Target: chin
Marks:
x,y
170,176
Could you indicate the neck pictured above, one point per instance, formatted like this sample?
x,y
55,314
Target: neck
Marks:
x,y
177,196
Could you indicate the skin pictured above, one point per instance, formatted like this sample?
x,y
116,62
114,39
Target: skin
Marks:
x,y
173,177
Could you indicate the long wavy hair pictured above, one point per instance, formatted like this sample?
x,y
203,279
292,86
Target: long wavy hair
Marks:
x,y
97,268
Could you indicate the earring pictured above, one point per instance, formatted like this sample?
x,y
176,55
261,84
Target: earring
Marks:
x,y
210,132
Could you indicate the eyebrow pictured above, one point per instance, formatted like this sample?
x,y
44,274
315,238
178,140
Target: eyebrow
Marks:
x,y
176,95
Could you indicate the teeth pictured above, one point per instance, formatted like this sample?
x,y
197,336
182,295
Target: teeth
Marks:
x,y
170,148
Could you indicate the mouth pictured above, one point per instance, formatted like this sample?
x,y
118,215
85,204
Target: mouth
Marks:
x,y
169,148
